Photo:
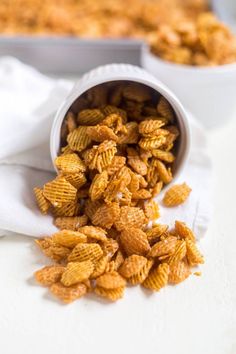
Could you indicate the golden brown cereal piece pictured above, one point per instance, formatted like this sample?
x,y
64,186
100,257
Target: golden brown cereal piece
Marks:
x,y
68,238
57,252
115,122
106,215
178,272
157,278
111,267
109,109
130,217
134,241
198,274
77,272
165,247
105,153
152,176
194,256
134,182
44,243
101,133
119,259
110,247
71,122
165,156
70,163
117,185
131,135
152,143
90,117
85,252
141,194
145,155
151,210
98,185
71,223
142,182
116,95
157,189
155,232
149,127
142,274
169,143
78,140
59,191
110,294
90,157
179,254
68,294
42,202
136,92
68,209
91,208
174,131
116,164
132,265
135,162
94,233
76,179
184,231
112,280
66,150
49,274
176,195
53,250
165,109
164,173
99,267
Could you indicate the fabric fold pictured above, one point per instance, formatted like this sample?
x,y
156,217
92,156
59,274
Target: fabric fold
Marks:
x,y
29,101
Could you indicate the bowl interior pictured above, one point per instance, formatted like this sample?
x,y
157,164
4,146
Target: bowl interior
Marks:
x,y
91,99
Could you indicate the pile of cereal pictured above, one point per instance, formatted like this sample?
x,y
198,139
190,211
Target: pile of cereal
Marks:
x,y
119,142
93,19
202,42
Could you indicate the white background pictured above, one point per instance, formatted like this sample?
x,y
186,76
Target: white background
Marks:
x,y
196,317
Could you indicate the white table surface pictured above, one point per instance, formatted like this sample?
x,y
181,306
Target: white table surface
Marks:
x,y
196,317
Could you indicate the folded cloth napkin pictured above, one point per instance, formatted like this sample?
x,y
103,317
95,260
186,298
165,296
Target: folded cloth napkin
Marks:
x,y
29,101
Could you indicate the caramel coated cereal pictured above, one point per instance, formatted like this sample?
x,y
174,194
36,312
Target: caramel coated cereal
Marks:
x,y
49,274
118,147
176,195
76,272
158,278
134,241
42,202
68,294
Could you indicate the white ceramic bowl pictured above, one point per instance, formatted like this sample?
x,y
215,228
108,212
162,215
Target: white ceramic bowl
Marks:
x,y
208,93
123,72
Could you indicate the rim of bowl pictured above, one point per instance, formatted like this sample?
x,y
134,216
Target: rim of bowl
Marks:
x,y
181,114
199,70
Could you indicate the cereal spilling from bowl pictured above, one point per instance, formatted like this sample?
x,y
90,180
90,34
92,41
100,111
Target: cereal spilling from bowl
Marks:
x,y
119,143
204,41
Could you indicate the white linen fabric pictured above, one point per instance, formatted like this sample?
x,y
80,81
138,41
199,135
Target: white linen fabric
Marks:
x,y
29,101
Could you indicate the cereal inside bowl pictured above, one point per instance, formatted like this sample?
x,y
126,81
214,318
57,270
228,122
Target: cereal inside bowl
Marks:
x,y
122,124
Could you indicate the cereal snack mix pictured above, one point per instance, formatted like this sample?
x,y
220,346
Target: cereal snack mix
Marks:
x,y
179,31
116,154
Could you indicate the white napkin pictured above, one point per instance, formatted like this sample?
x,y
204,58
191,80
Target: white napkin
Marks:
x,y
29,101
